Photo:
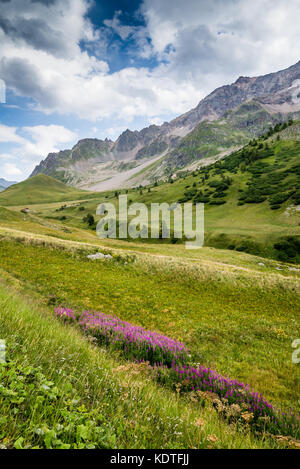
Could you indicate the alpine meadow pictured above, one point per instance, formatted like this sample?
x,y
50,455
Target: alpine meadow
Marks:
x,y
117,333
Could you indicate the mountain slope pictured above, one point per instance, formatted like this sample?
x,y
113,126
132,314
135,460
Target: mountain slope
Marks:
x,y
4,184
40,189
242,109
212,138
276,91
251,197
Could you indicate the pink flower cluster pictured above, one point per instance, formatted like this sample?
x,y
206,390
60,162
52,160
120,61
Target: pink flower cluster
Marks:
x,y
138,342
169,355
205,379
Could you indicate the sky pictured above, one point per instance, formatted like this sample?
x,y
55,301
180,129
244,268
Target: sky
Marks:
x,y
72,69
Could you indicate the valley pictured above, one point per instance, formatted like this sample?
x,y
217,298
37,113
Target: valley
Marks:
x,y
223,121
142,343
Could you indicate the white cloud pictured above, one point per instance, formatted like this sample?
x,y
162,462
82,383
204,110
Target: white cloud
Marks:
x,y
11,170
6,156
211,42
201,44
37,142
156,121
9,135
122,30
69,81
46,139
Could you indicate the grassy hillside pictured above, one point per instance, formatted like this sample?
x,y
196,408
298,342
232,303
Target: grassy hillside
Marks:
x,y
241,324
39,189
236,313
250,196
234,316
210,139
10,216
69,393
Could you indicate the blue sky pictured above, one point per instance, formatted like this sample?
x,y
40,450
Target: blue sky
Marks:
x,y
82,68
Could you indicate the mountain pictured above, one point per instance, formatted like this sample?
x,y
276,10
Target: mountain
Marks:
x,y
216,138
275,91
251,197
4,184
64,164
221,122
40,189
92,161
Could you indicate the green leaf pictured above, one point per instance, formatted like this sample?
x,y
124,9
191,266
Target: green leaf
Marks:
x,y
19,443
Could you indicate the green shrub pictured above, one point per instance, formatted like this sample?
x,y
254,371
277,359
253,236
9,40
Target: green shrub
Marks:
x,y
204,199
279,198
296,198
64,423
289,249
89,219
254,198
217,202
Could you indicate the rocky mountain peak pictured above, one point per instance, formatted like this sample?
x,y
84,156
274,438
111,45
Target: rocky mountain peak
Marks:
x,y
242,80
127,141
267,98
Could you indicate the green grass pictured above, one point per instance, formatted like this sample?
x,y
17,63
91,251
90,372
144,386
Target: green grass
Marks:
x,y
251,227
235,311
61,391
240,323
9,216
258,209
40,189
211,138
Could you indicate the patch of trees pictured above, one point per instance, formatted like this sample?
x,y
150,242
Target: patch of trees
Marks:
x,y
90,220
288,250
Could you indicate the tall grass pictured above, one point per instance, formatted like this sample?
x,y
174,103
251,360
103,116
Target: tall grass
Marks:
x,y
82,397
236,323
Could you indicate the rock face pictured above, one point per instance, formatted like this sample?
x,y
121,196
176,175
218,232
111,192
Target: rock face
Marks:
x,y
223,120
273,89
220,137
85,149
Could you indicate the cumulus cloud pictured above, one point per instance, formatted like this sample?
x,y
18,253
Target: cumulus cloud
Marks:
x,y
9,135
11,170
213,41
115,24
35,32
30,144
44,139
198,45
61,77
